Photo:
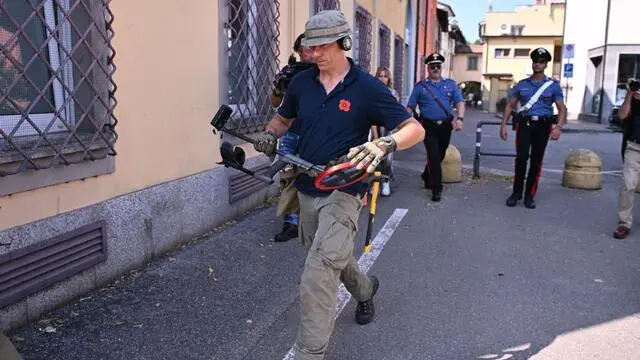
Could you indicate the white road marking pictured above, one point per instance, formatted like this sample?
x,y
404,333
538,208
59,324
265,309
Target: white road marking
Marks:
x,y
366,260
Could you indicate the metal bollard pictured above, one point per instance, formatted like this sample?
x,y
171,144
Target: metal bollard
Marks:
x,y
476,160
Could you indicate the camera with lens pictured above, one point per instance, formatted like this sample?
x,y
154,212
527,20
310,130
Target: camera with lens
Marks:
x,y
634,85
283,78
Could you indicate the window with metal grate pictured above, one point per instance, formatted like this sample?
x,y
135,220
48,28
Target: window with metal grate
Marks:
x,y
56,83
320,5
384,50
362,44
252,29
398,64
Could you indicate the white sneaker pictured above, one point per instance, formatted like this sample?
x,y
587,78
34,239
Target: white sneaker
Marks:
x,y
386,189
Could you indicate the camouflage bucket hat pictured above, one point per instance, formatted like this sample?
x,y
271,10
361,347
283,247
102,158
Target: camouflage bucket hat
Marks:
x,y
325,27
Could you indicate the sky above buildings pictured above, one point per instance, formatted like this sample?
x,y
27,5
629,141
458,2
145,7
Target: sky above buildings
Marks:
x,y
470,12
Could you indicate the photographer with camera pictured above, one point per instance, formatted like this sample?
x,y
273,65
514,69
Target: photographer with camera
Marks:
x,y
630,115
288,205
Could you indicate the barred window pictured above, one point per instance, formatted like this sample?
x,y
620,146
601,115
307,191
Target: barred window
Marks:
x,y
362,39
56,86
252,54
320,5
398,64
384,46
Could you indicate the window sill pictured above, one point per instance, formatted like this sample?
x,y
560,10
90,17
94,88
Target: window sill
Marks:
x,y
34,179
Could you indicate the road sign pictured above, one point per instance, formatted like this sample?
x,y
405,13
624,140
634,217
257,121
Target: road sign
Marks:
x,y
569,51
568,70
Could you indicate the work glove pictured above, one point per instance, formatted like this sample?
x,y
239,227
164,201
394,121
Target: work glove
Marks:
x,y
266,142
371,153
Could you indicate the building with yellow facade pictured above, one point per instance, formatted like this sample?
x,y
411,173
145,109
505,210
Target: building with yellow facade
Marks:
x,y
509,37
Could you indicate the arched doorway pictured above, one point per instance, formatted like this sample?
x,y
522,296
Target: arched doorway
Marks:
x,y
471,92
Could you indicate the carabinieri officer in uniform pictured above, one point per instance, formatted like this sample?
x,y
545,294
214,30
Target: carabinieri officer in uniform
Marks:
x,y
435,97
534,123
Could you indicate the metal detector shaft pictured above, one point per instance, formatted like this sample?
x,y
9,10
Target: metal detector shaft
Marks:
x,y
288,158
372,210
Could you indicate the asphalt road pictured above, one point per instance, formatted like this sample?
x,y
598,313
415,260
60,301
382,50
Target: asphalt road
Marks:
x,y
467,278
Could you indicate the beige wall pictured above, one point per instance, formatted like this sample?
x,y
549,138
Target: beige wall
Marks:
x,y
538,20
167,77
392,14
460,72
520,67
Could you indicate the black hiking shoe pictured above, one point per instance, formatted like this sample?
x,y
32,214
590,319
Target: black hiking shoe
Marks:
x,y
289,231
529,203
513,200
365,310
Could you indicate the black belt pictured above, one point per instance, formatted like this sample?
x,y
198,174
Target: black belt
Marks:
x,y
437,122
537,118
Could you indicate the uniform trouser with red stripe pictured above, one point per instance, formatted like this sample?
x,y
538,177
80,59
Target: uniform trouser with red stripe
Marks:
x,y
436,141
531,142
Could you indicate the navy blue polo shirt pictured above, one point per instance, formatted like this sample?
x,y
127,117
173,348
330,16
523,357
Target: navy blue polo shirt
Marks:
x,y
525,89
447,92
329,125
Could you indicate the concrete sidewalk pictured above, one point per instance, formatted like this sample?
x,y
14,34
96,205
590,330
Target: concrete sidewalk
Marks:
x,y
466,278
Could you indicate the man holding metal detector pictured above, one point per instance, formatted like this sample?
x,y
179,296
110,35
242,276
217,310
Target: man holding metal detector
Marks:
x,y
534,124
332,107
288,205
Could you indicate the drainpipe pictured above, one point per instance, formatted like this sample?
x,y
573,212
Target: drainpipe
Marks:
x,y
604,61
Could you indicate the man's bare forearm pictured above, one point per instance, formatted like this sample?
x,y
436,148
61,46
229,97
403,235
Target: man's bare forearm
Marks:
x,y
562,116
460,109
409,134
507,112
625,109
278,125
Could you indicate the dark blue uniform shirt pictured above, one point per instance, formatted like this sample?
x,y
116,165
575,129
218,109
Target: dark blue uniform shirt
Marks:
x,y
525,89
329,125
447,92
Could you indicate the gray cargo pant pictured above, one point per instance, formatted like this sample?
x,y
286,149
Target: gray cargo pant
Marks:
x,y
327,229
630,174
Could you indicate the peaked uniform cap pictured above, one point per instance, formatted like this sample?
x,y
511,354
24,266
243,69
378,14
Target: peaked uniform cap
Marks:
x,y
541,53
325,27
434,58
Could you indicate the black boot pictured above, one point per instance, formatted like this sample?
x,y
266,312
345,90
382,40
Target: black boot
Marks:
x,y
365,310
289,231
513,199
529,203
436,197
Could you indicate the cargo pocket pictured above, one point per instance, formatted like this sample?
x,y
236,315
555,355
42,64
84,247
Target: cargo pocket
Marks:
x,y
334,240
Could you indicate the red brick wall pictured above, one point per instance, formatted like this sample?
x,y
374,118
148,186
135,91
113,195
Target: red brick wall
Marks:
x,y
426,34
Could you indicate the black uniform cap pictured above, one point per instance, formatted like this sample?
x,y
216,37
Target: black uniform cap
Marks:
x,y
434,58
541,53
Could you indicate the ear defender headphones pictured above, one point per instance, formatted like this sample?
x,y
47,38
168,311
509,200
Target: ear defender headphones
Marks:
x,y
345,43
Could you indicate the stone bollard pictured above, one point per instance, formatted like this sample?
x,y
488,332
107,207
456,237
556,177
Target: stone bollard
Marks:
x,y
451,166
582,170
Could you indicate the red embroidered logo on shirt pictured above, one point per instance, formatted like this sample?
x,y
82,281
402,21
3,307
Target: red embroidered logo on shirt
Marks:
x,y
344,105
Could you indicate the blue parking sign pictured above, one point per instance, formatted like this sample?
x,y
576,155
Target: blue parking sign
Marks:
x,y
568,70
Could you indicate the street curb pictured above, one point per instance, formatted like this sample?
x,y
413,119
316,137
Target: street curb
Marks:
x,y
568,129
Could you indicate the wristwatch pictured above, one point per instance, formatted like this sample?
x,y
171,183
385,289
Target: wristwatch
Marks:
x,y
461,119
